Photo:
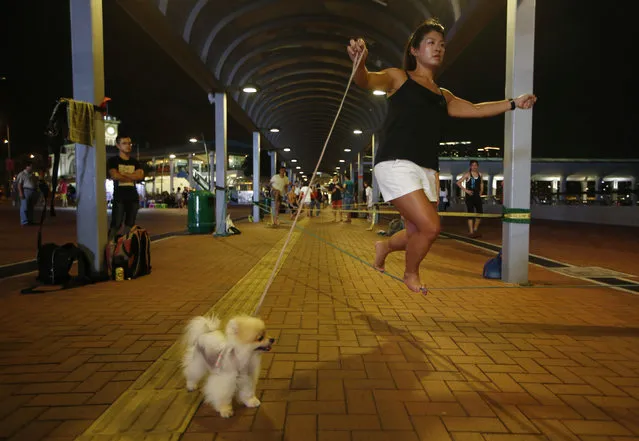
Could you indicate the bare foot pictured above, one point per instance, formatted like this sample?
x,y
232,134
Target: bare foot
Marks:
x,y
413,283
381,251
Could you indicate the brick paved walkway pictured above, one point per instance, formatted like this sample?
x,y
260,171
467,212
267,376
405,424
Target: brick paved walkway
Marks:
x,y
358,357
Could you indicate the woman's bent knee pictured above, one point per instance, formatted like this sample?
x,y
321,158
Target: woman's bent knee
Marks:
x,y
432,230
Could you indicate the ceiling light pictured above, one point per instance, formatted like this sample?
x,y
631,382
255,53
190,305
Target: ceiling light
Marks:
x,y
341,160
379,92
287,149
357,131
31,156
293,160
192,140
249,89
274,130
347,150
298,167
172,156
336,168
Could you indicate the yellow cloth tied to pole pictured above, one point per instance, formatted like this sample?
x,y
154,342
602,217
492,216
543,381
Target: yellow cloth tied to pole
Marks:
x,y
80,119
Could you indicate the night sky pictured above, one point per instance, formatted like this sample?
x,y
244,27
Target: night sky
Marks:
x,y
583,77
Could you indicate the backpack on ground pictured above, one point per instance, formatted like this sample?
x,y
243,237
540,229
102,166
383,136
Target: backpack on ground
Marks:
x,y
55,262
230,226
131,252
492,268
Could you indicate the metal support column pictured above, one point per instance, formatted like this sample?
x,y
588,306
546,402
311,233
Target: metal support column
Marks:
x,y
374,147
171,175
256,176
155,172
273,156
520,50
211,172
221,163
87,54
360,183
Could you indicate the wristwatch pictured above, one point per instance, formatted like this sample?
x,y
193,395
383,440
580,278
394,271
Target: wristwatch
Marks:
x,y
512,104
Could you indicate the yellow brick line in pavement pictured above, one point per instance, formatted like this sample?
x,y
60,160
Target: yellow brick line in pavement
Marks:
x,y
157,405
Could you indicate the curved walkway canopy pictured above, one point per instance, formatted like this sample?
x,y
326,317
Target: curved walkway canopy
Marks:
x,y
294,53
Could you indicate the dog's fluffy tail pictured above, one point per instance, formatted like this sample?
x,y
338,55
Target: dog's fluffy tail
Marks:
x,y
198,326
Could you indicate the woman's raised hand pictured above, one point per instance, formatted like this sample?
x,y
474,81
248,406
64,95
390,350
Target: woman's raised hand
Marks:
x,y
355,48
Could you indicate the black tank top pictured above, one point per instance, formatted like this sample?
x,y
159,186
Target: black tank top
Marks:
x,y
413,125
473,183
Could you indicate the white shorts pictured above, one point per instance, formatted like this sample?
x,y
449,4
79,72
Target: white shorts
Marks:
x,y
399,177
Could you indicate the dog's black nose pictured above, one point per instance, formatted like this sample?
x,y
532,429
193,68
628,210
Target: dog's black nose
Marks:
x,y
271,340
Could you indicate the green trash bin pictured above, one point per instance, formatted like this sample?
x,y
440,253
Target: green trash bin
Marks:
x,y
201,217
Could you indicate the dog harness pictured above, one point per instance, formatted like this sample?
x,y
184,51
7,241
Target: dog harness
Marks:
x,y
226,352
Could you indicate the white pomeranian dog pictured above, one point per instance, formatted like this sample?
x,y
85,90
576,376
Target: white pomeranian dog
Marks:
x,y
231,358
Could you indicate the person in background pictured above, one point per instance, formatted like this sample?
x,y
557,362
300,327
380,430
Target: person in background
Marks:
x,y
349,193
279,186
62,191
474,189
335,189
125,172
27,185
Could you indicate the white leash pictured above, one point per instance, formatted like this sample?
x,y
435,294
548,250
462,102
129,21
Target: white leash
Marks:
x,y
310,185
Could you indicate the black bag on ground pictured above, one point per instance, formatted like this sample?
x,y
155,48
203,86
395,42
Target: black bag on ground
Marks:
x,y
55,262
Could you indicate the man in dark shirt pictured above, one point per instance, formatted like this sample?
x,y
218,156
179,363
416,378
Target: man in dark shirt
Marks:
x,y
125,172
